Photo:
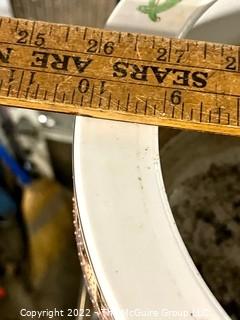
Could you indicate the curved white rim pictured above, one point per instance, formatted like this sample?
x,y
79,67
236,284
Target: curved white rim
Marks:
x,y
140,266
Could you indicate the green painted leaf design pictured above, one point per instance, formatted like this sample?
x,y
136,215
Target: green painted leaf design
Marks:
x,y
143,9
154,7
153,16
152,2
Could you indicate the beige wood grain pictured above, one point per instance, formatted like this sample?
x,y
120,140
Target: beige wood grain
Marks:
x,y
120,76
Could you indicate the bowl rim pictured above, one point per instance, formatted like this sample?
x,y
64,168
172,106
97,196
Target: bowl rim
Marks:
x,y
138,144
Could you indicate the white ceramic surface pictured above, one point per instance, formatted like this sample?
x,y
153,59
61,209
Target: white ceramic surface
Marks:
x,y
137,253
5,8
172,23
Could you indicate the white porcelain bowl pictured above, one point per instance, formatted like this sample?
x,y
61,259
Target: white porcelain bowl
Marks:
x,y
138,256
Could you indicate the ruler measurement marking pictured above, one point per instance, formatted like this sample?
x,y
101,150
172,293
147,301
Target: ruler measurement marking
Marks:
x,y
183,109
27,92
20,83
201,112
238,61
11,76
100,42
173,111
100,102
145,107
136,43
64,97
127,103
219,114
91,97
191,114
154,109
133,83
9,89
136,107
169,50
119,37
81,101
50,30
153,42
85,33
210,116
216,114
45,95
238,112
205,49
127,58
32,32
164,102
228,118
222,50
109,101
118,105
67,34
17,24
36,92
73,96
55,92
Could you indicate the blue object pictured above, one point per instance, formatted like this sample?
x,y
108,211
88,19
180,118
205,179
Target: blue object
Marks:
x,y
7,205
12,164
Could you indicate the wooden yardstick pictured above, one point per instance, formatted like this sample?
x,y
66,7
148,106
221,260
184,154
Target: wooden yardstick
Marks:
x,y
121,76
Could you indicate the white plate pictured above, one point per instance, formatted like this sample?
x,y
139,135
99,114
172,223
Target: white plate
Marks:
x,y
136,251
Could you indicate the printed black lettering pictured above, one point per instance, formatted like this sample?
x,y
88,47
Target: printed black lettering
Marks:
x,y
108,47
200,79
232,63
40,39
176,97
41,59
120,69
83,85
80,64
182,77
139,73
93,46
60,63
23,36
4,56
162,54
159,74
